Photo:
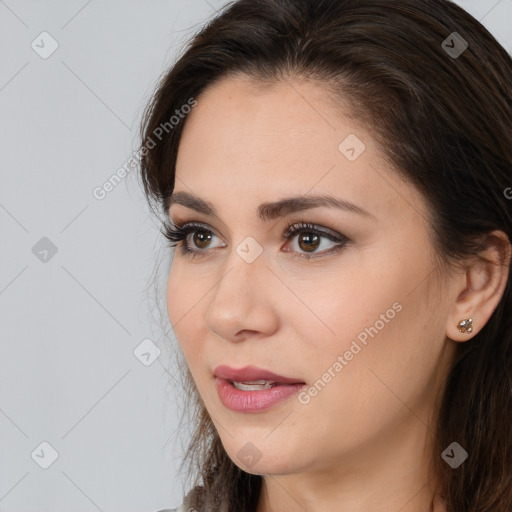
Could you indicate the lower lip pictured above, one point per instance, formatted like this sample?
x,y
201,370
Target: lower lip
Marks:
x,y
254,401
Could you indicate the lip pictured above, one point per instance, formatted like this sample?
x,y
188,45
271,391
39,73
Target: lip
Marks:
x,y
253,401
257,400
250,373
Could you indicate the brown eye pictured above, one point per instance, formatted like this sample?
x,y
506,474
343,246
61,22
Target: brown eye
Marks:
x,y
182,235
306,238
201,238
308,242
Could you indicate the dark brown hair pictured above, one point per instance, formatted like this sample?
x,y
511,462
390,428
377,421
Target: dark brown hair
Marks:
x,y
444,121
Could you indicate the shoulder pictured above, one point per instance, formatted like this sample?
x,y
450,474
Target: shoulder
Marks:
x,y
198,499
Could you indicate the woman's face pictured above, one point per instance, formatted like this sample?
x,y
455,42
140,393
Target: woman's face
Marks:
x,y
360,323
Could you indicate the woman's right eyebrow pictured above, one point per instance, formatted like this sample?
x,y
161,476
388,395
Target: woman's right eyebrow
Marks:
x,y
271,210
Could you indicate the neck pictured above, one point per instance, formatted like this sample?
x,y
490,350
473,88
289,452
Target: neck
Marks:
x,y
386,475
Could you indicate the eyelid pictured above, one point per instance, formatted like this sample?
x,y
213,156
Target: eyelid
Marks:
x,y
297,227
300,224
196,224
181,219
292,230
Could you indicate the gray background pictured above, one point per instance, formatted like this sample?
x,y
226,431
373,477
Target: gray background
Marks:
x,y
72,320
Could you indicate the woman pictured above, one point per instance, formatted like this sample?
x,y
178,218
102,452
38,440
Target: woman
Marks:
x,y
336,177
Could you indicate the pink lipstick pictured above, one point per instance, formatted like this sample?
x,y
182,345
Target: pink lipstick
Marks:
x,y
252,389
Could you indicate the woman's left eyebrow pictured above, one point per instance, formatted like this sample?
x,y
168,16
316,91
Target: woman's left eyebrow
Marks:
x,y
283,207
271,210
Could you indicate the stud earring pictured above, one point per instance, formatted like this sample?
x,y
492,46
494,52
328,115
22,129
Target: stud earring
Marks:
x,y
465,325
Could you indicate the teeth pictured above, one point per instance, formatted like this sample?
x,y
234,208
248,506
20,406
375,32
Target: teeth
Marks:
x,y
253,385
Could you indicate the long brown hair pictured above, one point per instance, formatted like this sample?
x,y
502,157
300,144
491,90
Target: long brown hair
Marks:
x,y
442,113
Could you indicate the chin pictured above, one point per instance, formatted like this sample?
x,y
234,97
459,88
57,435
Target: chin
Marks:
x,y
263,458
270,468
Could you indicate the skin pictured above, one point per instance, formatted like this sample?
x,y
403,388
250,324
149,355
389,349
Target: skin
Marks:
x,y
363,442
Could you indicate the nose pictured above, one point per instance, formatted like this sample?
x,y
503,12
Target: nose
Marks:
x,y
242,303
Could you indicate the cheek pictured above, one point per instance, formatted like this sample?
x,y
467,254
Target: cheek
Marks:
x,y
341,305
183,308
186,314
389,355
374,313
175,304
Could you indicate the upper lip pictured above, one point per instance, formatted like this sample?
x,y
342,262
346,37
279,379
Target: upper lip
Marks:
x,y
250,373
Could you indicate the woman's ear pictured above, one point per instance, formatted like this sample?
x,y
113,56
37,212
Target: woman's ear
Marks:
x,y
482,286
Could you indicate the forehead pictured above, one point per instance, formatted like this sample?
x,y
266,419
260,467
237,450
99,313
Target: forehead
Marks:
x,y
238,109
287,139
240,129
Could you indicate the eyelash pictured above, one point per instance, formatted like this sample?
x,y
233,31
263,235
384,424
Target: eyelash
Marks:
x,y
178,234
